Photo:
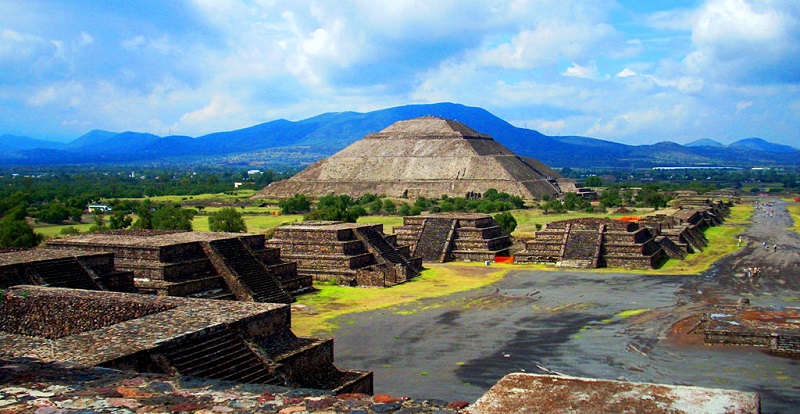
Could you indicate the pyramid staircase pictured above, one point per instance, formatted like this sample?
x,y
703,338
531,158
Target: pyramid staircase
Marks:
x,y
221,355
387,251
581,247
251,272
436,232
65,273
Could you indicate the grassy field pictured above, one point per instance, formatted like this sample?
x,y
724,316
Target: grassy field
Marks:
x,y
319,311
794,210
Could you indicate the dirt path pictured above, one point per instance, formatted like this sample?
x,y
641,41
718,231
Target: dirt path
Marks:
x,y
576,323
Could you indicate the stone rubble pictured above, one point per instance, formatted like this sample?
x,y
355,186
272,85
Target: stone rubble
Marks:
x,y
29,386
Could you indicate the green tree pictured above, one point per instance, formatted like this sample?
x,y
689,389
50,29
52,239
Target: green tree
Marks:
x,y
389,206
145,213
593,181
99,222
506,221
119,220
15,231
227,219
53,212
404,210
173,217
296,204
375,207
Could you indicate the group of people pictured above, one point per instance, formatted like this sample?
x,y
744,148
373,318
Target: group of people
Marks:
x,y
752,271
766,246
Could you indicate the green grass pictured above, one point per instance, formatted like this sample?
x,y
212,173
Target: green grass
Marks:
x,y
256,224
794,210
332,302
389,222
54,230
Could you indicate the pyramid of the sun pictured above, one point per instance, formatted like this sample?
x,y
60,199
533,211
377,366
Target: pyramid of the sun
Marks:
x,y
427,156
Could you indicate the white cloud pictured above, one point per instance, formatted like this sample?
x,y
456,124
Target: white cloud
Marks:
x,y
742,105
624,73
578,71
749,41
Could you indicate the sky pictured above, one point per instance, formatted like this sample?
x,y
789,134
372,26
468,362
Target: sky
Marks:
x,y
629,71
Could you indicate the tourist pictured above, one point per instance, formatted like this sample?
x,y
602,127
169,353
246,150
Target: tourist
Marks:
x,y
764,245
774,247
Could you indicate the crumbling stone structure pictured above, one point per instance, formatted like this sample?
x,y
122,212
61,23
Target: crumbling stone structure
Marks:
x,y
349,253
677,237
428,157
243,342
592,243
74,269
447,237
197,264
775,328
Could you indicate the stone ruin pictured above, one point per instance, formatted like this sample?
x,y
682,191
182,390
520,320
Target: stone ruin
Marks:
x,y
349,253
197,264
448,237
534,393
640,244
75,269
774,328
593,243
226,340
426,156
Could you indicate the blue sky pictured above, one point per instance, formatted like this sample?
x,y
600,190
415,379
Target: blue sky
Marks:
x,y
629,71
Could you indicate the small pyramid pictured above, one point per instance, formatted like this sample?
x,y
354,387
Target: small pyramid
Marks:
x,y
427,156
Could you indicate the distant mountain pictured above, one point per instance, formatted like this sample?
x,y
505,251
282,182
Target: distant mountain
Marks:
x,y
283,143
93,137
705,142
762,145
17,143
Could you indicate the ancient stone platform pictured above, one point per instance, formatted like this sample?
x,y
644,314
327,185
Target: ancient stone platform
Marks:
x,y
777,329
197,264
530,393
69,268
592,243
226,340
448,237
426,156
349,253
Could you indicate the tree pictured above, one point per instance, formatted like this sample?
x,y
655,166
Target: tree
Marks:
x,y
227,219
404,210
173,217
593,181
506,221
15,231
99,222
119,220
145,213
295,205
389,206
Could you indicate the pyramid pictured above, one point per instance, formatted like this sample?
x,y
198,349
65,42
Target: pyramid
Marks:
x,y
427,156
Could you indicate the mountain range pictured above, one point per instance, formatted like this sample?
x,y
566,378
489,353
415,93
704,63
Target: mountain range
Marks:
x,y
282,143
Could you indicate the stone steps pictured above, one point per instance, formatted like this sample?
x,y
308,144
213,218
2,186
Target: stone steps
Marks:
x,y
251,272
220,355
65,273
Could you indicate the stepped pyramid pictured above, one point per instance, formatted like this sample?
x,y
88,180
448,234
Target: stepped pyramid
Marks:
x,y
427,156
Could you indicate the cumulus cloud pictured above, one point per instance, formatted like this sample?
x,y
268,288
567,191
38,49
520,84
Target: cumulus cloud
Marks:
x,y
749,41
578,71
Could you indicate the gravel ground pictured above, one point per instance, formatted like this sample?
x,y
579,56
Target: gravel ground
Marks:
x,y
457,347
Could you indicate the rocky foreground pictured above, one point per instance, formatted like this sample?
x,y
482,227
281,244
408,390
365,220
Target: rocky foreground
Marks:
x,y
27,386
